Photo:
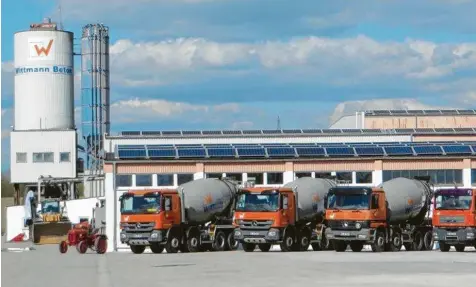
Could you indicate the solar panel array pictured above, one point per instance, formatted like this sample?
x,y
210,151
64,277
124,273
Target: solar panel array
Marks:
x,y
419,112
293,132
299,150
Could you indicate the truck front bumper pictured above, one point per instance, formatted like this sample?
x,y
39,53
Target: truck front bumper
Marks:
x,y
142,238
364,234
257,236
451,236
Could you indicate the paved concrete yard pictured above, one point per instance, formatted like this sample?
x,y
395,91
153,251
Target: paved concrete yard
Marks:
x,y
45,266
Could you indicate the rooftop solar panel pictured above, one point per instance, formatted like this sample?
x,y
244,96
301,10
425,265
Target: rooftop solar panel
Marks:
x,y
130,133
171,133
457,149
192,153
231,132
428,150
132,154
369,151
162,153
272,132
251,132
310,151
211,132
160,146
221,152
398,150
251,152
134,146
312,131
187,133
151,133
340,151
295,131
281,152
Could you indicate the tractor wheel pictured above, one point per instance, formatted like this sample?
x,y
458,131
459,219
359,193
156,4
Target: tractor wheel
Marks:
x,y
63,247
82,247
100,244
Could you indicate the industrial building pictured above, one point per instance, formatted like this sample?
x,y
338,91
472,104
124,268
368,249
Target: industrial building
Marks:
x,y
365,148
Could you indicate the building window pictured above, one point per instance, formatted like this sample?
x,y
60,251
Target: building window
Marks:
x,y
143,179
256,177
214,175
65,156
275,178
165,179
322,174
123,180
437,177
184,178
303,174
344,176
363,177
39,157
21,157
235,176
473,176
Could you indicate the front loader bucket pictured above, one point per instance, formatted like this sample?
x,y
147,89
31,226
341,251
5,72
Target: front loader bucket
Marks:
x,y
50,232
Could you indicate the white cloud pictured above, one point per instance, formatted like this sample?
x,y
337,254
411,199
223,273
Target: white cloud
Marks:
x,y
321,58
149,110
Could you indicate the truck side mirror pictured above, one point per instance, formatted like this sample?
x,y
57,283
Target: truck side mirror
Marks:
x,y
285,202
374,203
168,204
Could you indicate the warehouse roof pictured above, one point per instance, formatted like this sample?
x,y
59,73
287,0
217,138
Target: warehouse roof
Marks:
x,y
419,112
299,150
287,132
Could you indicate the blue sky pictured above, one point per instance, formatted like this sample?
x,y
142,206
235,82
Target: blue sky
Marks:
x,y
219,64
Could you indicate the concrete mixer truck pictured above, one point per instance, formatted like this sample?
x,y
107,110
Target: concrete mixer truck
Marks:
x,y
291,216
454,218
197,216
387,217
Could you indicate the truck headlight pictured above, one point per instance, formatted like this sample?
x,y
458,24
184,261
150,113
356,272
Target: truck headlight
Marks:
x,y
237,233
123,236
154,235
272,233
358,225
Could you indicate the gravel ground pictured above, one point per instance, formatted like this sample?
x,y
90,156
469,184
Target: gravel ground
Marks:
x,y
45,266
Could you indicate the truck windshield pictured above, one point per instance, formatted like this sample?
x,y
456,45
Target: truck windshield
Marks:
x,y
453,201
140,204
348,201
258,202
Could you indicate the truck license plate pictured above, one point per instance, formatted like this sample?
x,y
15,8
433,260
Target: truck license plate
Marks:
x,y
137,235
345,234
254,233
451,233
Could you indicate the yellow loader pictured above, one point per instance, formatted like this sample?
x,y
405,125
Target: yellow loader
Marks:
x,y
51,227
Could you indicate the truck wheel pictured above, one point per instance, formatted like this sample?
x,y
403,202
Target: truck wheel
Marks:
x,y
156,248
356,246
137,249
428,240
231,243
288,242
193,242
304,240
417,244
249,247
396,244
173,244
460,247
264,247
444,247
340,246
379,243
220,241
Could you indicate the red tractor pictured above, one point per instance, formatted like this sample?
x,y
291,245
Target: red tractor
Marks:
x,y
83,237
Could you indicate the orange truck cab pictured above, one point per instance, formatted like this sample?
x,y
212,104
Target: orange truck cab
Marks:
x,y
358,216
267,216
454,218
146,215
